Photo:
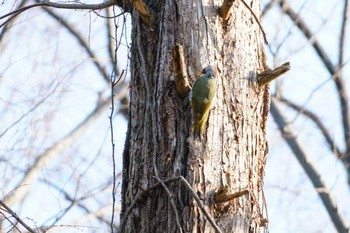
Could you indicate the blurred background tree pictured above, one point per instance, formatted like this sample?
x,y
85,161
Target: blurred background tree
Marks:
x,y
57,67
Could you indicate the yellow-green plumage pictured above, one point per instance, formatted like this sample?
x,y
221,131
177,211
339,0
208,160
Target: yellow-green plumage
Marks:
x,y
203,92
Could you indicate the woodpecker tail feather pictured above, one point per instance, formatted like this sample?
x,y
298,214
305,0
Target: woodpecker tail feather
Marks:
x,y
197,132
199,126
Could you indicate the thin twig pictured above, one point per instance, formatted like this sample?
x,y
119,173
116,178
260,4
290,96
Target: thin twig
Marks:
x,y
46,3
257,21
155,169
138,197
290,136
200,204
172,203
113,82
7,26
72,6
155,186
13,214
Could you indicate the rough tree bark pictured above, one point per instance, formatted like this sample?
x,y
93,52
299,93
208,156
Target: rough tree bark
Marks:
x,y
159,142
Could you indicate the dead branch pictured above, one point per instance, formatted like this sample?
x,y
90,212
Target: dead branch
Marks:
x,y
143,10
224,10
223,195
180,74
269,75
291,139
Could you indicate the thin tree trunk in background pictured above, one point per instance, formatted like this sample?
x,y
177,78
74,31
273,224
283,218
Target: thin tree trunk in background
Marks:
x,y
159,143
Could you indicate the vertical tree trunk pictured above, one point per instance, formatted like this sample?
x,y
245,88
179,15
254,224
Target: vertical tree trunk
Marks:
x,y
159,142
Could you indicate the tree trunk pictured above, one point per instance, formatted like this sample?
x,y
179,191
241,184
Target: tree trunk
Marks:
x,y
232,152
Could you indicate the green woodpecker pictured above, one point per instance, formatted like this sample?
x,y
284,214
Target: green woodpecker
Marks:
x,y
202,94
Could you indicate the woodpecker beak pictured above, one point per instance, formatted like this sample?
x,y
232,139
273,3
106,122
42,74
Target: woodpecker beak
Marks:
x,y
199,73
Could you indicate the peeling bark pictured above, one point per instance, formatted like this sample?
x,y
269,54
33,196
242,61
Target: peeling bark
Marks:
x,y
233,150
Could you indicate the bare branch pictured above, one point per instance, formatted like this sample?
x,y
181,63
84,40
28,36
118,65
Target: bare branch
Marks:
x,y
6,27
338,80
78,6
46,3
18,219
332,146
289,135
342,34
113,82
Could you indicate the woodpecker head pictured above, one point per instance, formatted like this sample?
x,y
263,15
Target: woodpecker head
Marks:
x,y
209,71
